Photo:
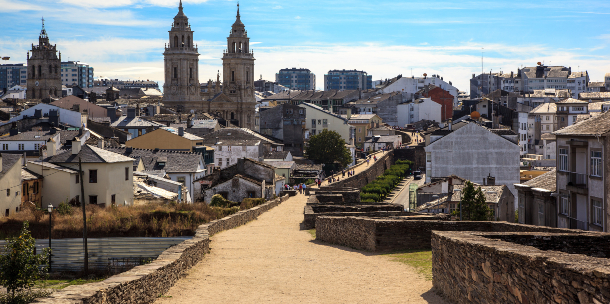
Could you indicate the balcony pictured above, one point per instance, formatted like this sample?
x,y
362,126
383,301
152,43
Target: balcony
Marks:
x,y
577,182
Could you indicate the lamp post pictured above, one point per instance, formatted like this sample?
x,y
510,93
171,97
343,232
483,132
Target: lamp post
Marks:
x,y
50,209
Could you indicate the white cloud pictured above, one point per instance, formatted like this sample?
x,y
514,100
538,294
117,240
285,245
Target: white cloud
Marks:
x,y
99,4
297,17
277,7
15,6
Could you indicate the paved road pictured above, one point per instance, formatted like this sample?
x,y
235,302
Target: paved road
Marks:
x,y
403,196
271,260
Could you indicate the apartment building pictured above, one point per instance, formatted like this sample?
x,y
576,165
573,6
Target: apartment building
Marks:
x,y
347,80
12,75
76,73
583,184
296,79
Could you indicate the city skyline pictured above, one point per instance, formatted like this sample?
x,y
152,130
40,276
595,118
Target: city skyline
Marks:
x,y
125,38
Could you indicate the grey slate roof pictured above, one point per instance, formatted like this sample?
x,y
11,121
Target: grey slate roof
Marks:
x,y
27,174
572,100
593,95
186,135
204,124
8,161
595,126
276,155
175,161
503,131
545,181
135,122
53,166
89,154
235,137
281,164
64,136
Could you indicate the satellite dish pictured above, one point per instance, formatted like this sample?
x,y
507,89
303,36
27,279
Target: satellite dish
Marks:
x,y
475,115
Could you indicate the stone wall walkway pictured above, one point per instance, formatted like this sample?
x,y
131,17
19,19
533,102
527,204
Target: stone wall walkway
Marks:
x,y
270,260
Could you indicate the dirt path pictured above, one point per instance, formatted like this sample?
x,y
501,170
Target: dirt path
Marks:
x,y
271,260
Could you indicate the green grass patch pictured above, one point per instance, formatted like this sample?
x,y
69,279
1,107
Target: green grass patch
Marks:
x,y
312,232
419,259
61,284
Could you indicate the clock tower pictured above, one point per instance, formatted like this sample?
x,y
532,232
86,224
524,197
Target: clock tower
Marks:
x,y
44,69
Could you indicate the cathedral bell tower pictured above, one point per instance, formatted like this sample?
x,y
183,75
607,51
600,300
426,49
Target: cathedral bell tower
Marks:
x,y
238,64
44,69
181,64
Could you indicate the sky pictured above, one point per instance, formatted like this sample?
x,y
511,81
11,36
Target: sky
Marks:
x,y
125,38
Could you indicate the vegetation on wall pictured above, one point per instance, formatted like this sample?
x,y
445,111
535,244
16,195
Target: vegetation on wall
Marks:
x,y
378,190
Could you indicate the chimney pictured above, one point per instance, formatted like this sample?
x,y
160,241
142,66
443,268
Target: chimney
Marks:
x,y
52,130
100,143
75,145
51,148
180,131
128,150
131,113
450,124
491,180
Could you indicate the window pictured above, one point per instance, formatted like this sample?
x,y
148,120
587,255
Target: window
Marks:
x,y
540,214
573,118
563,159
563,206
228,161
597,212
35,187
313,123
78,178
175,72
359,139
6,213
521,210
452,207
113,199
359,130
232,75
181,179
596,163
8,192
547,118
190,73
93,199
21,147
220,162
547,127
319,122
92,176
4,147
126,173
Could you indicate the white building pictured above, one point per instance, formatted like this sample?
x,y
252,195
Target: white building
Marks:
x,y
16,92
414,111
68,117
413,84
522,122
475,153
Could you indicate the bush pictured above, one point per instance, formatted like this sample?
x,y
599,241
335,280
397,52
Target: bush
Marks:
x,y
64,209
370,196
368,201
219,201
309,182
248,203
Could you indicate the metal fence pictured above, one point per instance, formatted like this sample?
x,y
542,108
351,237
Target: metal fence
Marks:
x,y
105,254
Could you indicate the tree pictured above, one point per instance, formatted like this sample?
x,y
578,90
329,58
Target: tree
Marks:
x,y
328,147
20,266
473,204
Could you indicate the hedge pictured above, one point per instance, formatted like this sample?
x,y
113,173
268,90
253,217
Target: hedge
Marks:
x,y
378,189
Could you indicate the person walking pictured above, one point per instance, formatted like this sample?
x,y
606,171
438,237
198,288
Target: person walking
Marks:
x,y
367,161
304,188
319,183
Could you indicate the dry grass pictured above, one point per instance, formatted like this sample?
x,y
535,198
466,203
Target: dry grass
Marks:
x,y
153,220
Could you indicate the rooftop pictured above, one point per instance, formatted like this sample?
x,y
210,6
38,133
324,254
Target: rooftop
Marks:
x,y
595,126
546,181
169,161
89,154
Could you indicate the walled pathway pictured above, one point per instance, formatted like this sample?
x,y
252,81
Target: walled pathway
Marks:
x,y
270,260
362,166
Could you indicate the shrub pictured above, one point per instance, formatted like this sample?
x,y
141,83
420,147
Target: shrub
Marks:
x,y
218,201
370,196
248,203
64,209
368,201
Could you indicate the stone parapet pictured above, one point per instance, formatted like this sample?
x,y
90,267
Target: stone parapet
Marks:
x,y
143,284
475,267
406,232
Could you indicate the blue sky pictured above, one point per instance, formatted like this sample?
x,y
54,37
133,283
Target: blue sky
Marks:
x,y
125,38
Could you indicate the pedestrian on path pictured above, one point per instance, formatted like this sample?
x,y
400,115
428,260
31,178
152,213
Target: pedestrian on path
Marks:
x,y
319,183
304,187
375,157
301,188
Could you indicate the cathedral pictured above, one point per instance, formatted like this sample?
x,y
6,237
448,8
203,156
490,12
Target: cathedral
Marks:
x,y
233,100
44,69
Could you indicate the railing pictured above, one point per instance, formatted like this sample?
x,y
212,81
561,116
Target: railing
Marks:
x,y
578,180
577,224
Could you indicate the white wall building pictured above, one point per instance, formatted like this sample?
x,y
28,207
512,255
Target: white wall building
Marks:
x,y
413,84
423,108
16,92
474,153
522,121
65,116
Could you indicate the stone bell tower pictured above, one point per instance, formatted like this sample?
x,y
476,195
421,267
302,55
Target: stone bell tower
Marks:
x,y
44,69
181,64
238,64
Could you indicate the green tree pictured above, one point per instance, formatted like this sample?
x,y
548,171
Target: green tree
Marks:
x,y
474,207
328,147
20,266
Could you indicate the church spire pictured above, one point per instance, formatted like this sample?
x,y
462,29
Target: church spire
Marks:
x,y
43,32
180,6
238,22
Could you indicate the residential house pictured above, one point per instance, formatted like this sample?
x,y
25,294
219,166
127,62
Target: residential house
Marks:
x,y
246,178
278,156
594,96
318,119
104,130
10,183
135,125
31,188
379,142
285,122
475,153
181,167
536,202
231,144
410,85
155,186
53,114
544,96
417,110
384,105
283,169
541,120
569,110
167,138
583,184
108,176
82,106
201,127
362,123
30,142
440,96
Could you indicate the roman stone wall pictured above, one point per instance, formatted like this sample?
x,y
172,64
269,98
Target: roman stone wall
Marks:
x,y
376,168
415,154
143,284
406,233
471,267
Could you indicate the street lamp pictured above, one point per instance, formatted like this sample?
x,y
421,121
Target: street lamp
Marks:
x,y
50,209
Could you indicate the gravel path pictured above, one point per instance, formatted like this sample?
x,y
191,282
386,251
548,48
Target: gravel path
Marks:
x,y
271,260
